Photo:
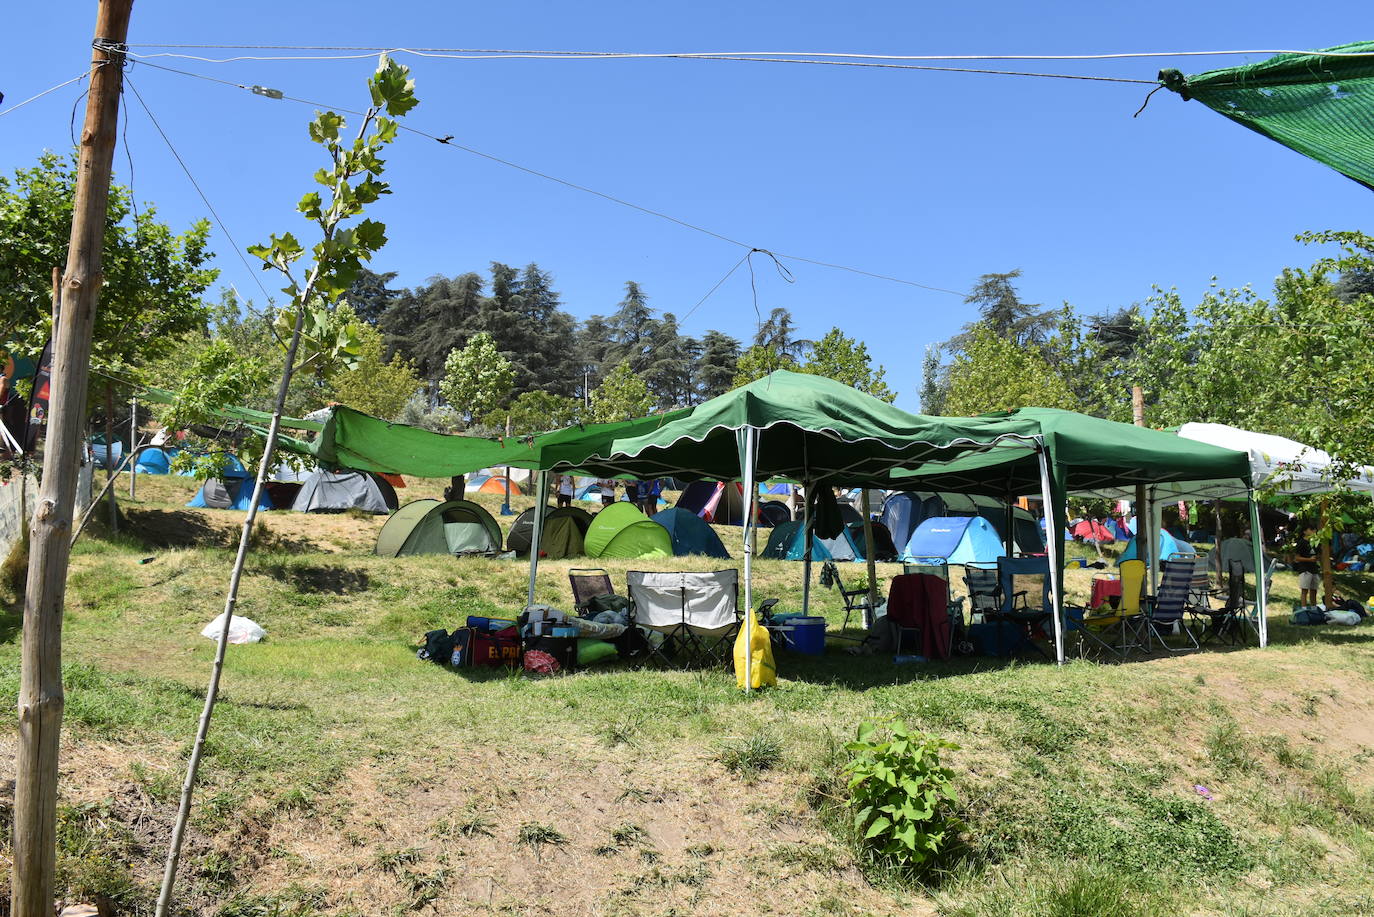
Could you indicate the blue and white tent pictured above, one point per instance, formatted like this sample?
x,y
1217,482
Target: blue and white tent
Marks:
x,y
1168,547
955,540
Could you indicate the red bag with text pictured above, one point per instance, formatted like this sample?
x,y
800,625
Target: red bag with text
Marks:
x,y
499,648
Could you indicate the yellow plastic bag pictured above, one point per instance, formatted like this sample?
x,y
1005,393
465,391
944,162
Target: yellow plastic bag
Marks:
x,y
753,638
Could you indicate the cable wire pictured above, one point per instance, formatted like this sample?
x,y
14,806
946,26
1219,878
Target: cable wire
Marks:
x,y
76,79
507,53
448,140
195,184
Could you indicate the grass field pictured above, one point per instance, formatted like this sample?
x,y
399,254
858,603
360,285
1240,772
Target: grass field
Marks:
x,y
346,777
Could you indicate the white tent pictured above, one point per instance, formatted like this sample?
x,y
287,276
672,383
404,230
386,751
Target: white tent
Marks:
x,y
1275,462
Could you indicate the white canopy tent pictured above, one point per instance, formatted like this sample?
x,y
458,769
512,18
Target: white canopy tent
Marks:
x,y
1276,463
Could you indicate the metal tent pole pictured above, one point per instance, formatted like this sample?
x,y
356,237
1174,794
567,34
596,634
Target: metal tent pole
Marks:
x,y
541,497
1261,598
1054,544
750,435
806,551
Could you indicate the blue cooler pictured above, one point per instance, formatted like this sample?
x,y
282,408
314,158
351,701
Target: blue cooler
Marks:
x,y
807,635
996,638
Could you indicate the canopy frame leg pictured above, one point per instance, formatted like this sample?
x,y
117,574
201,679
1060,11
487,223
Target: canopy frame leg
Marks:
x,y
1054,549
541,497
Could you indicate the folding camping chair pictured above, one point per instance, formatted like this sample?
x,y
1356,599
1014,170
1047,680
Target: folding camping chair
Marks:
x,y
697,614
854,599
918,606
958,634
1232,620
1024,583
984,592
587,584
1103,614
1167,608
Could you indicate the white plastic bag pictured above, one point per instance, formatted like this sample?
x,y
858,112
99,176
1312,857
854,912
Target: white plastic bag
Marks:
x,y
241,629
1341,616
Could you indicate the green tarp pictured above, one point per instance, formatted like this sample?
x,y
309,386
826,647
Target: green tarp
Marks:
x,y
810,429
1320,104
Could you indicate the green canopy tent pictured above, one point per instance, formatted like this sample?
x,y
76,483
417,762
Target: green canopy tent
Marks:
x,y
1086,455
791,425
1320,103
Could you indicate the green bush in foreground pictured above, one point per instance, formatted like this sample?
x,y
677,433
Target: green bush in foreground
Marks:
x,y
901,796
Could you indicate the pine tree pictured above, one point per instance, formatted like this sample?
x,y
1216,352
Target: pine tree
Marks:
x,y
715,369
630,326
370,296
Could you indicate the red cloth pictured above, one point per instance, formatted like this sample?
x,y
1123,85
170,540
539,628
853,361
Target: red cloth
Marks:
x,y
1104,589
922,600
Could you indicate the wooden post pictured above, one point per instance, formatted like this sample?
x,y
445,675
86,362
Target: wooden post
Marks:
x,y
40,687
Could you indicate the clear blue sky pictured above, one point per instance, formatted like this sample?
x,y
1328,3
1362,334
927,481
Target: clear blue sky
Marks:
x,y
933,177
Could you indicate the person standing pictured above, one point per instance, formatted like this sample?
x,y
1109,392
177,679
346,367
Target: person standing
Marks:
x,y
607,491
565,490
648,492
1305,566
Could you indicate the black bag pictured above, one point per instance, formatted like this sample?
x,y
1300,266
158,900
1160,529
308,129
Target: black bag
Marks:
x,y
608,602
438,647
632,645
1355,606
563,649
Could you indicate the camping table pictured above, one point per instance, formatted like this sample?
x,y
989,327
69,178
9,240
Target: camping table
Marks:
x,y
1105,589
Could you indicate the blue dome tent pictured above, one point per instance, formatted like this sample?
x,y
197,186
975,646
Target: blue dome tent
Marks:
x,y
1168,547
956,540
690,533
786,543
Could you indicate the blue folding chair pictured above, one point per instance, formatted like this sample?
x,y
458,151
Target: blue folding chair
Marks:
x,y
1025,588
1168,606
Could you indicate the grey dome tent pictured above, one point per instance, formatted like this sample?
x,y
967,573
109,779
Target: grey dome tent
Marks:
x,y
336,491
432,527
565,530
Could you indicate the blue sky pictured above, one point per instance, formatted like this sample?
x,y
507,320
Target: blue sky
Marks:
x,y
932,177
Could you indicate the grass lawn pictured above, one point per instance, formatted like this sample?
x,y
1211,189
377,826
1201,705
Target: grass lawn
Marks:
x,y
344,776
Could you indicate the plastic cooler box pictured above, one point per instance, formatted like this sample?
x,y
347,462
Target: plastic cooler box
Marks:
x,y
806,635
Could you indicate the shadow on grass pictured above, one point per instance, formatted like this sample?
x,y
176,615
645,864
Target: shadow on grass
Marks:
x,y
181,529
316,578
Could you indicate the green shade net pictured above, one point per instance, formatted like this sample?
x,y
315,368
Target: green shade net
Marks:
x,y
1320,104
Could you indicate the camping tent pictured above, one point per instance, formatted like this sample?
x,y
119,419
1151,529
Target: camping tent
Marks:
x,y
714,501
336,491
495,484
956,540
773,512
431,527
1092,530
229,492
622,530
689,532
903,511
884,549
154,460
565,531
786,542
1169,546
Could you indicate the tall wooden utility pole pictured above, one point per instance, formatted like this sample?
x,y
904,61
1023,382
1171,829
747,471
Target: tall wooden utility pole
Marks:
x,y
40,687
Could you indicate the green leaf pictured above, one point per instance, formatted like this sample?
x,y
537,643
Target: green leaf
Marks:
x,y
880,824
325,127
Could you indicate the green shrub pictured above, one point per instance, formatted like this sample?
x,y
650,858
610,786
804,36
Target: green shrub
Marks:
x,y
901,796
748,757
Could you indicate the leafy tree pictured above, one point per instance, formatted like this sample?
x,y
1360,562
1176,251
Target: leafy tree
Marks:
x,y
477,377
758,361
992,373
716,367
778,335
846,360
622,395
370,296
670,361
427,324
593,346
1000,308
376,385
934,383
537,412
630,326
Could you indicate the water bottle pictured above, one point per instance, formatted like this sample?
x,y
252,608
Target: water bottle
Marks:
x,y
903,660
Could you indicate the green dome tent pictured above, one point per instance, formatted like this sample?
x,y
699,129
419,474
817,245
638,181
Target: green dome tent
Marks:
x,y
432,527
562,536
621,530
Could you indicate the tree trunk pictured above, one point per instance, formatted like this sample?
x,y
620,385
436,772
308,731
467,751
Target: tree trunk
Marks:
x,y
1328,578
40,688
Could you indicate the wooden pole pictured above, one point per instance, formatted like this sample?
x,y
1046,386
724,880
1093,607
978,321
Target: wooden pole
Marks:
x,y
40,687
